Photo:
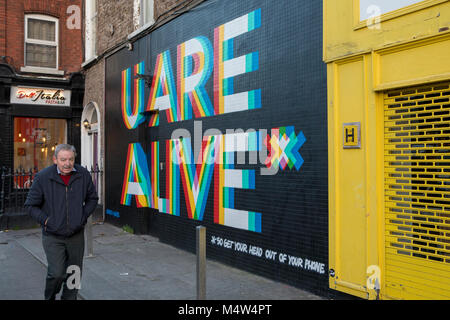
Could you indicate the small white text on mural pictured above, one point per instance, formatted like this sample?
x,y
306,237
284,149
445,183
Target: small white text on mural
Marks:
x,y
268,254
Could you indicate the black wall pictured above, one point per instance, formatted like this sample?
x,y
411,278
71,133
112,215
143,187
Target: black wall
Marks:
x,y
292,78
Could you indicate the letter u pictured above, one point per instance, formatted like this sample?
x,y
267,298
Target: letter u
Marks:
x,y
131,114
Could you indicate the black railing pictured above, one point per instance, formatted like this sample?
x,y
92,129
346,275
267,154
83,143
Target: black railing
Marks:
x,y
96,174
14,187
15,184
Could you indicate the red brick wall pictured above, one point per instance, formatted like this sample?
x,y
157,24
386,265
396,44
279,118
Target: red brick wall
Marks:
x,y
2,27
70,40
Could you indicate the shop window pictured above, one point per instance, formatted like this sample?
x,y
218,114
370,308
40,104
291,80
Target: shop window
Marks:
x,y
368,13
35,140
41,41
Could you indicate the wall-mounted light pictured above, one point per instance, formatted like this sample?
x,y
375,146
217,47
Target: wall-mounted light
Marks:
x,y
86,124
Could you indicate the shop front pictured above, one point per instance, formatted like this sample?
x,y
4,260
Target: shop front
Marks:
x,y
37,114
388,113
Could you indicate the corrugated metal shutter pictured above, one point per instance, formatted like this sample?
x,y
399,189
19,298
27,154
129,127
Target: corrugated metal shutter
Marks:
x,y
417,192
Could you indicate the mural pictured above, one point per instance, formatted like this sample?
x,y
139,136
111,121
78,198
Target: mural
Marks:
x,y
131,115
222,122
195,177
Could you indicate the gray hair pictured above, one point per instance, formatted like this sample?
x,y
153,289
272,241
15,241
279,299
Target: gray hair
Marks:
x,y
67,147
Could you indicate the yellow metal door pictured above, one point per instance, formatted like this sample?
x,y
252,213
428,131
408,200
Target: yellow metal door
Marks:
x,y
417,192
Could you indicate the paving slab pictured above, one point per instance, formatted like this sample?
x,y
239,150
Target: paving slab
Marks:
x,y
125,266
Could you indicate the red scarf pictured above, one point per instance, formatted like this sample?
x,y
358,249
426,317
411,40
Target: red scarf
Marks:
x,y
65,178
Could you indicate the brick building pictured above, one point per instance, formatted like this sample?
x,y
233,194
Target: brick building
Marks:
x,y
41,88
111,26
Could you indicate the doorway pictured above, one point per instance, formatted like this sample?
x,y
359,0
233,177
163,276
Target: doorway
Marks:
x,y
90,145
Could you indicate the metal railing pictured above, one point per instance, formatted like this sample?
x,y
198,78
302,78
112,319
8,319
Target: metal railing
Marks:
x,y
14,187
15,184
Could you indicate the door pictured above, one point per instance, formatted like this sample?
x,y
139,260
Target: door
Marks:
x,y
417,192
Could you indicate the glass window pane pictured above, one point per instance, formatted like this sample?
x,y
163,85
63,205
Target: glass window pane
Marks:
x,y
41,29
38,55
94,118
148,11
35,140
369,8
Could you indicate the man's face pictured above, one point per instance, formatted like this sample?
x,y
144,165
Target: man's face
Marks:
x,y
65,161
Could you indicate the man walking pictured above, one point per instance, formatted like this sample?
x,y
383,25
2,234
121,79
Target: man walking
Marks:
x,y
61,199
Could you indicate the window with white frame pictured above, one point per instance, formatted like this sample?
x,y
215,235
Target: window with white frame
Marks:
x,y
142,16
370,7
147,12
91,29
41,41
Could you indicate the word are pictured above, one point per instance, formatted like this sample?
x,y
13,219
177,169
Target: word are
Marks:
x,y
197,59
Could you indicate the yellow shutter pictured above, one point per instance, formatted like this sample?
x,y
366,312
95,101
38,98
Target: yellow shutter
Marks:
x,y
417,192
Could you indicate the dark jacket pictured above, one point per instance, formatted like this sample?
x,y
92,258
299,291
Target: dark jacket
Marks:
x,y
66,207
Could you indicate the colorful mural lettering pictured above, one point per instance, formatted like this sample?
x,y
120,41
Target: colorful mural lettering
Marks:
x,y
226,67
195,64
284,146
196,61
131,114
215,166
136,181
227,131
163,95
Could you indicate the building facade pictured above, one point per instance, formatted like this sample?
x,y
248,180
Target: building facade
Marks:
x,y
214,114
41,88
308,137
109,26
388,70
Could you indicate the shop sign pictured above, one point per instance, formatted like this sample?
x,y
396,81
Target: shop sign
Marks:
x,y
352,135
40,96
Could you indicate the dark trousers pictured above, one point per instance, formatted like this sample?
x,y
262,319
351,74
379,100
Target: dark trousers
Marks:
x,y
61,254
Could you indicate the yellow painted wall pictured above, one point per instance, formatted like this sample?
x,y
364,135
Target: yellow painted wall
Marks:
x,y
411,47
344,34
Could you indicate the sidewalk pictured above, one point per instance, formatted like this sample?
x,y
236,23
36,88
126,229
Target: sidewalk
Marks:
x,y
131,267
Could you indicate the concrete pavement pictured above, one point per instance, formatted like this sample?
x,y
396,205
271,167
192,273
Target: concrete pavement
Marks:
x,y
131,267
